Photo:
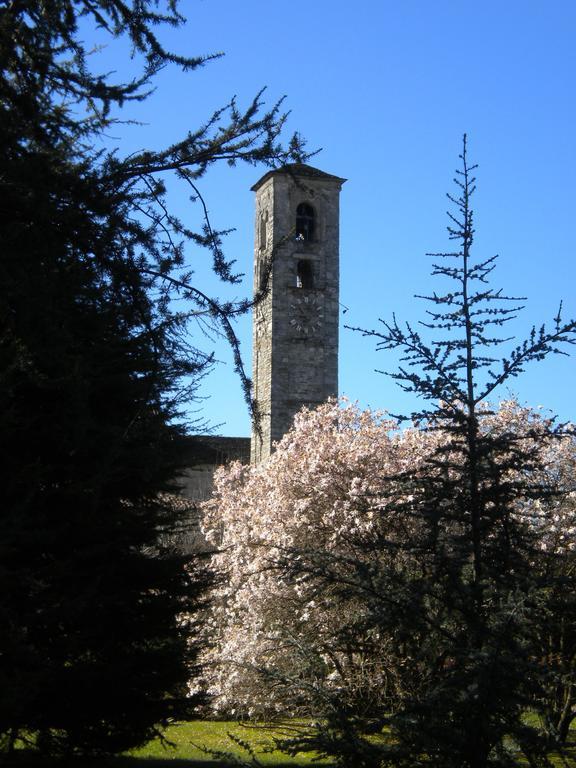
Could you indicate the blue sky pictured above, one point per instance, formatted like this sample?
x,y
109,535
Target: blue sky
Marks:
x,y
386,90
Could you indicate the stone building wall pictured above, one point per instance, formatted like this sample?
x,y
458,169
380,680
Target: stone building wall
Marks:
x,y
204,454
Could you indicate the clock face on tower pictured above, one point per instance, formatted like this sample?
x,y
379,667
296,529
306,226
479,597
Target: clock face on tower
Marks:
x,y
307,315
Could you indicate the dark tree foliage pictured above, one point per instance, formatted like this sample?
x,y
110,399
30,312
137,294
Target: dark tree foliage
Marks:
x,y
464,601
97,617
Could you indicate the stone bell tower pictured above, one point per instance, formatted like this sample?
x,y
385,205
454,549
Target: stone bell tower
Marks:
x,y
295,326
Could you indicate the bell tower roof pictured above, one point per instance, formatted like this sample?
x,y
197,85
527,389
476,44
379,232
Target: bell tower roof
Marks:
x,y
300,170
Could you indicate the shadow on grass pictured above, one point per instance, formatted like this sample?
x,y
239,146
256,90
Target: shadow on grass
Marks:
x,y
23,760
155,762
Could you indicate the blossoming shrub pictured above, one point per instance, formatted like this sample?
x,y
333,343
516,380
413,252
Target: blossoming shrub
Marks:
x,y
330,591
322,488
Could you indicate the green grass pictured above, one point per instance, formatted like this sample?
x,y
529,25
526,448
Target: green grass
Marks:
x,y
213,735
190,741
194,741
196,744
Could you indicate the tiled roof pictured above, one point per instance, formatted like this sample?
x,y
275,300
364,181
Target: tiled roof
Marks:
x,y
298,169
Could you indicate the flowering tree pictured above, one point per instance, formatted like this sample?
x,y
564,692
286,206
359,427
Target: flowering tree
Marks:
x,y
324,556
321,487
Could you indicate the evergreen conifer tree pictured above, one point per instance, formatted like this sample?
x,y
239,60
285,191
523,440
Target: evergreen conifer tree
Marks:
x,y
481,601
97,617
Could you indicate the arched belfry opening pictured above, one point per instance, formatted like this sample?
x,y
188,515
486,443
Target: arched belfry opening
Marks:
x,y
304,274
305,223
295,325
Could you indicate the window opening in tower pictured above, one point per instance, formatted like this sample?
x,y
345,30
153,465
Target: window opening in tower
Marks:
x,y
305,222
304,274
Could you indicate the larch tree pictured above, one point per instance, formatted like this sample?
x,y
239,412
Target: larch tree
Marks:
x,y
481,600
98,615
480,547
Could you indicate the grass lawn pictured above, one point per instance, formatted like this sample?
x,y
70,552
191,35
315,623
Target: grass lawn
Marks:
x,y
214,736
188,739
190,742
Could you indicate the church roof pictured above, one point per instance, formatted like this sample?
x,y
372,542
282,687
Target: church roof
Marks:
x,y
216,450
297,169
